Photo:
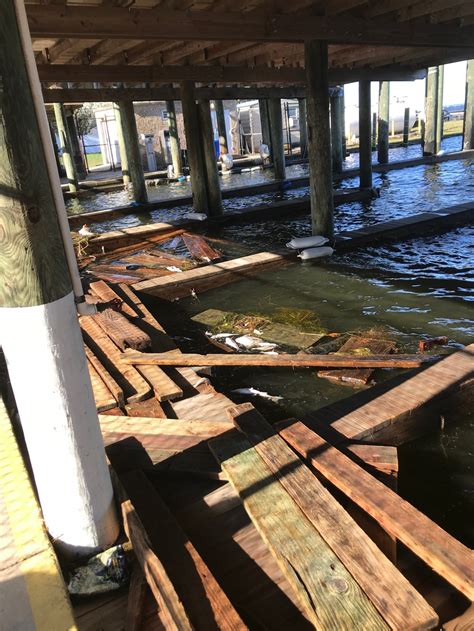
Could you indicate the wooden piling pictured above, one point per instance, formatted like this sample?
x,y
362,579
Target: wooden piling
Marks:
x,y
276,133
439,108
468,134
374,131
65,147
383,122
336,130
194,149
175,148
365,145
342,105
121,142
132,150
406,126
44,349
319,139
75,144
431,98
264,122
214,195
221,127
303,128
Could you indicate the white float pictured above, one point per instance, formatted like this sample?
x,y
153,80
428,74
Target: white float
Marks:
x,y
315,253
306,242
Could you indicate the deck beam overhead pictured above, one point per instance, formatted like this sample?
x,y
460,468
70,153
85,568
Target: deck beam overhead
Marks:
x,y
83,22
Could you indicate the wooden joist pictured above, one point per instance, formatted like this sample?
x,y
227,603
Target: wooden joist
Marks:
x,y
282,360
200,249
445,555
395,599
185,589
102,395
201,279
132,238
106,377
121,331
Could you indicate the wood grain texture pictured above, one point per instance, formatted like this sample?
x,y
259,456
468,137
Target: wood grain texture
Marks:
x,y
32,262
106,377
329,595
205,604
121,331
163,386
283,360
102,396
199,248
445,555
106,294
136,600
400,605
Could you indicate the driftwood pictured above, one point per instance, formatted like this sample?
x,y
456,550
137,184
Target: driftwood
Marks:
x,y
283,360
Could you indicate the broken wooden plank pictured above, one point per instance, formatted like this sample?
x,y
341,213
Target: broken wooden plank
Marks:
x,y
163,386
399,604
107,294
129,236
180,285
205,406
139,274
104,399
385,412
200,430
358,377
443,553
122,331
106,377
134,386
157,260
136,600
281,360
149,408
330,596
195,589
200,249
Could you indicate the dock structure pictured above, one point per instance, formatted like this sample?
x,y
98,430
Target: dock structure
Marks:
x,y
232,523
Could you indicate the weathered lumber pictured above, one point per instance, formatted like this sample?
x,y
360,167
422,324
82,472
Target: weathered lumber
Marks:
x,y
121,331
465,622
134,386
385,412
199,248
329,595
400,605
197,594
201,279
148,408
102,395
283,360
445,555
122,270
136,600
362,376
107,294
210,405
163,386
126,236
158,260
198,430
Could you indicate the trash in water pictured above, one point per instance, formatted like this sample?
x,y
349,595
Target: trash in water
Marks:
x,y
257,393
173,268
104,572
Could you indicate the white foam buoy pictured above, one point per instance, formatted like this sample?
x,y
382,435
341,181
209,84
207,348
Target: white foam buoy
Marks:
x,y
315,253
306,242
196,216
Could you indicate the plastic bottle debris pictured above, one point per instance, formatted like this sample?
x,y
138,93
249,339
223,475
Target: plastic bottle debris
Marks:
x,y
104,572
257,393
302,243
173,268
315,253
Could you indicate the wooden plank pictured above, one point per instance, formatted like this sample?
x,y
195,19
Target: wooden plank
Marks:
x,y
157,260
163,386
121,331
107,294
210,406
399,604
109,381
197,592
202,430
123,270
180,285
362,376
372,415
148,408
102,395
200,249
136,600
445,555
281,360
330,596
134,386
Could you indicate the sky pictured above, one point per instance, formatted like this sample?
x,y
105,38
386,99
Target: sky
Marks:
x,y
412,93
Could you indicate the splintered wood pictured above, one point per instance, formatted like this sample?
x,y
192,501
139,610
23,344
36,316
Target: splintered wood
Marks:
x,y
199,248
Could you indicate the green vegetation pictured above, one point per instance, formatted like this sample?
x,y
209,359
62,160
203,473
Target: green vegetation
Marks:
x,y
301,319
94,160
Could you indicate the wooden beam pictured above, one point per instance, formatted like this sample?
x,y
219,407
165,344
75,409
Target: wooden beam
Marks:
x,y
282,360
116,22
54,73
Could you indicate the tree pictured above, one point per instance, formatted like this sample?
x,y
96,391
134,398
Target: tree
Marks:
x,y
85,119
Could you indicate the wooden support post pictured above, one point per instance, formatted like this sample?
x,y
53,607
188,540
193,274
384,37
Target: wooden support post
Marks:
x,y
264,122
55,147
194,148
213,187
342,105
374,131
365,145
429,145
439,109
40,335
383,122
303,128
132,149
122,149
406,126
75,144
175,148
221,128
276,133
468,136
319,138
65,147
336,131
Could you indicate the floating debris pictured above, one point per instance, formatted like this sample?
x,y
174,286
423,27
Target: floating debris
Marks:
x,y
315,253
253,392
104,572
